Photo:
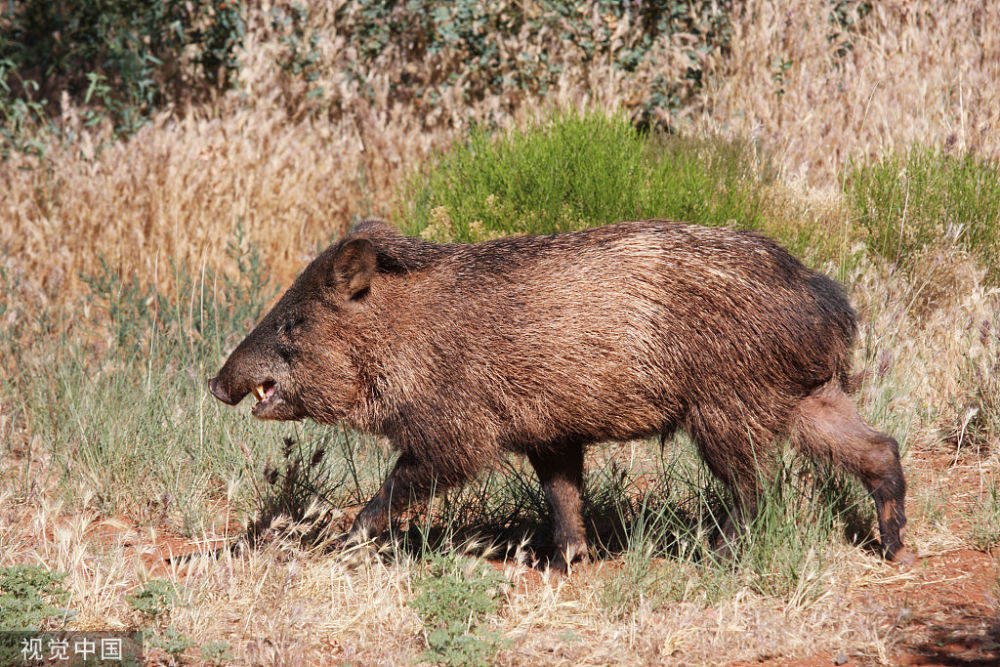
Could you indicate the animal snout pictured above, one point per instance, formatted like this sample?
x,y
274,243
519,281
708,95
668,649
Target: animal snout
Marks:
x,y
219,391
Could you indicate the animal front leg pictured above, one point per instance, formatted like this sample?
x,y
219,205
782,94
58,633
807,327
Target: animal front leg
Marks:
x,y
409,477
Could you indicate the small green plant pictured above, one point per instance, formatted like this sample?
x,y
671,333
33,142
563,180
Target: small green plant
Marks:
x,y
779,74
21,114
455,596
32,598
173,642
985,531
926,198
154,600
216,652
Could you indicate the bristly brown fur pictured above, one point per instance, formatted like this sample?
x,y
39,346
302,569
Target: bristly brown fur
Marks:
x,y
545,344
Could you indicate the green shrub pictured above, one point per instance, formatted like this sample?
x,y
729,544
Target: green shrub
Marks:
x,y
32,598
216,653
154,600
122,58
924,198
580,170
173,641
301,58
455,595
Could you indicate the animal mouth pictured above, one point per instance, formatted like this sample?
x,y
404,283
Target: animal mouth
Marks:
x,y
266,393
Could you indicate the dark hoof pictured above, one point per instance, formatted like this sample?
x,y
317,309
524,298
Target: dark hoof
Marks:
x,y
562,563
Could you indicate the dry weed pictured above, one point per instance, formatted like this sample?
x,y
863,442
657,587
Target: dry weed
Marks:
x,y
915,72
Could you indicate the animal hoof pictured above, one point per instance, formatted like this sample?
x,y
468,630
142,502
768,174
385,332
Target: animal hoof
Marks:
x,y
903,557
564,559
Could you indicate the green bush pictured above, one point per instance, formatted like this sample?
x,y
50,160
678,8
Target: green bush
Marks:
x,y
173,641
32,598
455,595
580,170
121,58
909,202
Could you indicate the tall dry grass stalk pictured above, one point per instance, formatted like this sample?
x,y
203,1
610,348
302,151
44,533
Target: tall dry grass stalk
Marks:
x,y
916,72
178,189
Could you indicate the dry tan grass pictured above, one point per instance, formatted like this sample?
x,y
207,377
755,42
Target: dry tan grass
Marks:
x,y
281,605
295,170
179,188
918,72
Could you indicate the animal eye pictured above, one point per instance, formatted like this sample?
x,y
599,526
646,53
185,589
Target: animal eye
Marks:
x,y
289,325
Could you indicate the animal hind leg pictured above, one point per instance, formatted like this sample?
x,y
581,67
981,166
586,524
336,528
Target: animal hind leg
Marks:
x,y
561,473
739,463
829,427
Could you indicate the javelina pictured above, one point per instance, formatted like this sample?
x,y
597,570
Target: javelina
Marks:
x,y
543,345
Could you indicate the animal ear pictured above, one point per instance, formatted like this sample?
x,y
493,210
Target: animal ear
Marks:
x,y
353,267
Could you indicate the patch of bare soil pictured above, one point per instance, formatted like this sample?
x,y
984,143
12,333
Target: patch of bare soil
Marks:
x,y
160,551
948,613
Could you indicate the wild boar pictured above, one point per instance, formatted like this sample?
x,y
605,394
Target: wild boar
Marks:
x,y
543,345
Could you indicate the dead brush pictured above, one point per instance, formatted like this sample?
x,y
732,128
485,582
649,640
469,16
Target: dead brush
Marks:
x,y
943,274
290,499
976,431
